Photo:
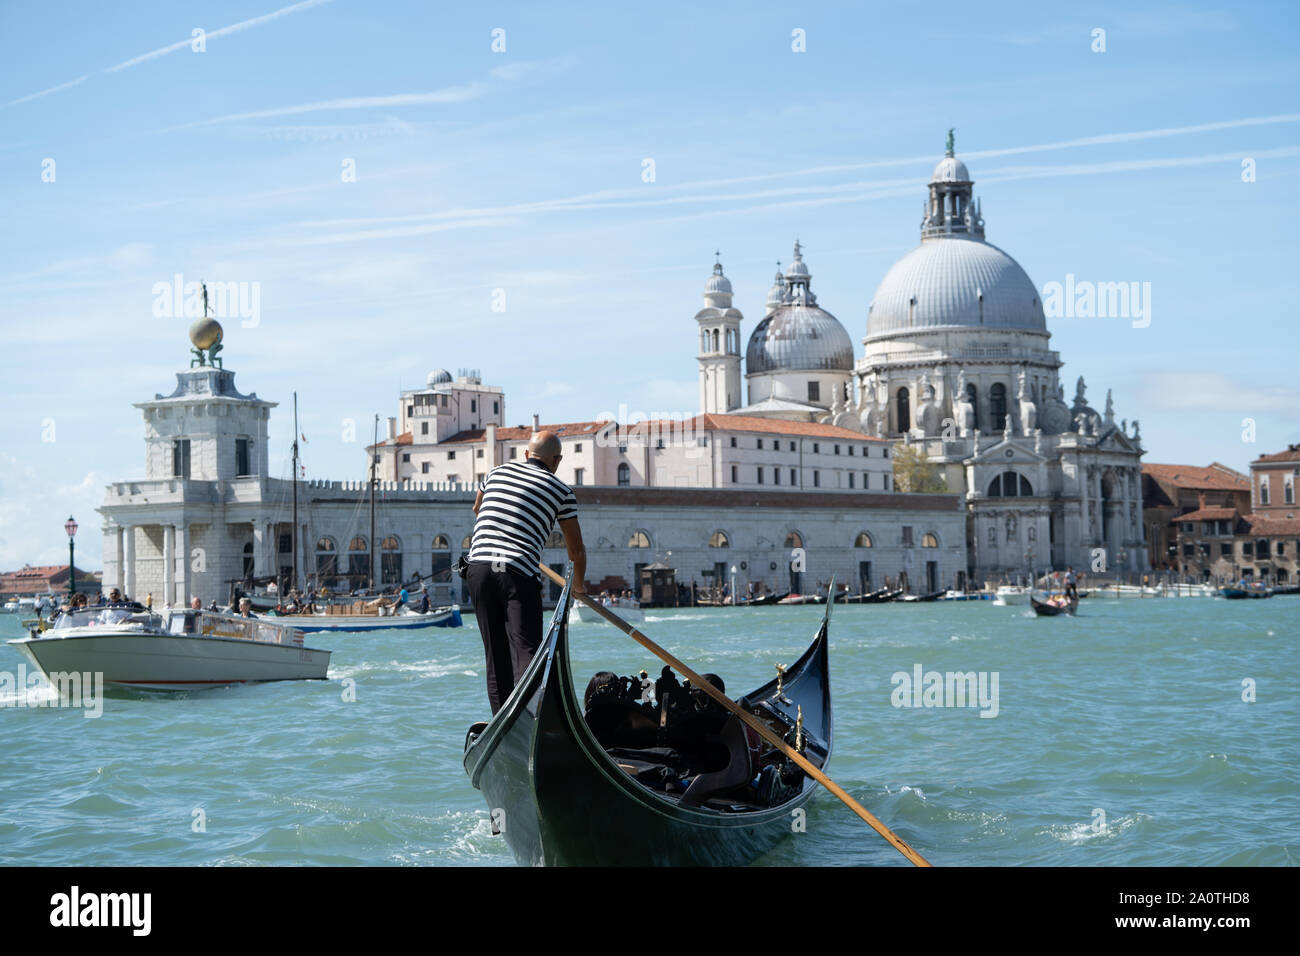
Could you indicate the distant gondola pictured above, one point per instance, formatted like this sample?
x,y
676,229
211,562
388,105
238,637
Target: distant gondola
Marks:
x,y
1043,609
562,798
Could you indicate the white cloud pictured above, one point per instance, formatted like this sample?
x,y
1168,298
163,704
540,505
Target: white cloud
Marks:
x,y
1188,391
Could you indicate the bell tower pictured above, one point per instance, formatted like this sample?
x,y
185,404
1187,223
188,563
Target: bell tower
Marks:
x,y
719,353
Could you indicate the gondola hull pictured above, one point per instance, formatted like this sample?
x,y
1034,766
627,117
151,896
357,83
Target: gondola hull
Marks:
x,y
1043,609
560,800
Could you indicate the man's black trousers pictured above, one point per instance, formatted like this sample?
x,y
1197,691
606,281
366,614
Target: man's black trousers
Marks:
x,y
508,606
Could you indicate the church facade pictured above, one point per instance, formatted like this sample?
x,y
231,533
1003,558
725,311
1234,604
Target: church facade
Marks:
x,y
957,363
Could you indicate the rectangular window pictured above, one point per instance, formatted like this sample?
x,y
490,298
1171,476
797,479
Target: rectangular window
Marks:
x,y
850,450
444,401
1281,549
776,476
410,410
866,480
885,478
817,479
496,408
424,428
814,392
286,543
1189,551
760,443
733,474
733,441
760,474
1189,527
479,453
406,456
907,534
513,453
1288,493
577,449
451,456
1247,549
424,467
837,449
793,479
817,449
181,458
850,479
473,405
242,465
577,476
1225,549
792,446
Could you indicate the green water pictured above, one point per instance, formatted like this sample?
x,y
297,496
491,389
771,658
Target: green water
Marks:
x,y
1121,738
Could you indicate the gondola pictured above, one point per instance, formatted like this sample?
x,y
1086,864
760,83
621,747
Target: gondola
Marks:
x,y
1043,609
561,799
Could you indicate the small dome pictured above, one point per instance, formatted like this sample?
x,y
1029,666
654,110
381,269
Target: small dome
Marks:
x,y
798,270
950,170
776,294
439,376
799,337
718,284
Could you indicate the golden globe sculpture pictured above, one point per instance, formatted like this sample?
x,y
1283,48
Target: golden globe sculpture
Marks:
x,y
206,333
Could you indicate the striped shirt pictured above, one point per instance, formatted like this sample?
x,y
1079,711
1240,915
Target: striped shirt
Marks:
x,y
522,501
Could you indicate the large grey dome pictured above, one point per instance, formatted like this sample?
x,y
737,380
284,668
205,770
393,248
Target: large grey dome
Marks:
x,y
798,337
955,282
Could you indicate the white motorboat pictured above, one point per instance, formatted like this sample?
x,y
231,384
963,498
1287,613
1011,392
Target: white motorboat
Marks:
x,y
1012,595
11,606
579,613
172,650
404,620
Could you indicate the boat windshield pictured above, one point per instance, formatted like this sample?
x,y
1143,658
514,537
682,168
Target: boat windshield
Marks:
x,y
101,617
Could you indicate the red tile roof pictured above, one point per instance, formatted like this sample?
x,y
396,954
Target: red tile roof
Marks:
x,y
780,426
1292,453
1267,524
1207,514
1216,477
736,423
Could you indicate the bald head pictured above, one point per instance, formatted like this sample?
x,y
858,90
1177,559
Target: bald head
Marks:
x,y
545,446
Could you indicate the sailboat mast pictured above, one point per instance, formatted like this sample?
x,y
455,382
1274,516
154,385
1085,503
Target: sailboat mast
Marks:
x,y
295,490
374,461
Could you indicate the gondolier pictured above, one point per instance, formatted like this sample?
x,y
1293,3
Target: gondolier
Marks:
x,y
517,507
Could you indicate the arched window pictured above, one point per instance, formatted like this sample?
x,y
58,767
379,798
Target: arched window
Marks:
x,y
928,540
719,539
863,540
327,562
556,539
704,340
1009,484
624,474
904,409
639,539
390,560
972,396
715,340
998,406
465,542
359,559
441,568
794,540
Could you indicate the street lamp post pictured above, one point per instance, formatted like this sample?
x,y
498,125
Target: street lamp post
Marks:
x,y
733,585
70,526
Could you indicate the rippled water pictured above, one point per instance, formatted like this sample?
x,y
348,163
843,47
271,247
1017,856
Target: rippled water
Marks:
x,y
1133,710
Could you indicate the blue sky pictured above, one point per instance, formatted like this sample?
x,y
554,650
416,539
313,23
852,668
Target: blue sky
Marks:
x,y
522,171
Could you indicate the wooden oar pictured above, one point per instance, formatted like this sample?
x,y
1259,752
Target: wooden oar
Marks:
x,y
750,720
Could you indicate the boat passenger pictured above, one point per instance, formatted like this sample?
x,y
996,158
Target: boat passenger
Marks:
x,y
245,607
1071,583
424,600
195,603
402,598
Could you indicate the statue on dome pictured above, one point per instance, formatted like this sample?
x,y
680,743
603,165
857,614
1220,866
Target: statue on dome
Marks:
x,y
1110,408
929,417
949,148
